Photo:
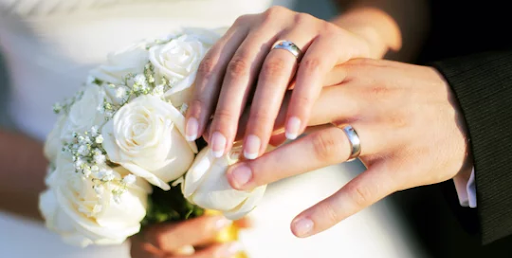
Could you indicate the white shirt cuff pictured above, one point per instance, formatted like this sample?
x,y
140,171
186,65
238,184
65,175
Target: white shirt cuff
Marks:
x,y
466,190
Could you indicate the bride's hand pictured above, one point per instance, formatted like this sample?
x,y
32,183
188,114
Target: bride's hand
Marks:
x,y
176,240
243,61
411,134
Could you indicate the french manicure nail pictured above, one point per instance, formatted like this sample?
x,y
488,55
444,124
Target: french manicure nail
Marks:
x,y
241,175
191,129
222,223
303,227
218,144
252,146
233,249
292,128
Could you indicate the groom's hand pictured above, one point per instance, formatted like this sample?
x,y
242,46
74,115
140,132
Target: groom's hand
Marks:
x,y
410,129
188,239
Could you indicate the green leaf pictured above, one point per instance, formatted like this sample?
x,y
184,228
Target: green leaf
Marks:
x,y
169,206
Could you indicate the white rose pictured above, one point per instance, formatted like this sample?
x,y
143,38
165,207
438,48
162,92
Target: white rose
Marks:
x,y
131,59
82,216
84,114
146,136
178,61
206,185
53,144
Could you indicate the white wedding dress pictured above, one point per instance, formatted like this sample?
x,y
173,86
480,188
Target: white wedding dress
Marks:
x,y
48,47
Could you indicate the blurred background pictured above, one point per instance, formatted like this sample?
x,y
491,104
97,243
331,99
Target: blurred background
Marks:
x,y
426,211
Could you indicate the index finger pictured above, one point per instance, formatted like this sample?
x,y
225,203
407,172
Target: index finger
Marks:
x,y
361,192
303,155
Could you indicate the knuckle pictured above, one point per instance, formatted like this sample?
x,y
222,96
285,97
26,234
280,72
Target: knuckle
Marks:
x,y
242,19
328,212
262,116
302,100
302,18
311,64
325,146
224,115
330,28
239,66
197,106
359,195
274,12
274,67
206,67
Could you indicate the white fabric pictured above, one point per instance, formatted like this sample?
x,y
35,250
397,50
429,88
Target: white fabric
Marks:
x,y
466,190
49,45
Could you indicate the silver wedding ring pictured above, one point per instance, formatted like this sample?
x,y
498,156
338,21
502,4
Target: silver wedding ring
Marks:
x,y
288,46
353,138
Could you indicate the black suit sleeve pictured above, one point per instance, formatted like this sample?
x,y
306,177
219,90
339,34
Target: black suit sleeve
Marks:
x,y
482,84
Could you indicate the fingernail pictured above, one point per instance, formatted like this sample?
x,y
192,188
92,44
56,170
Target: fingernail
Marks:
x,y
292,128
303,227
241,175
252,146
191,129
218,144
222,223
233,249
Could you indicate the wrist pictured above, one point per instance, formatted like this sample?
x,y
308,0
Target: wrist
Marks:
x,y
375,27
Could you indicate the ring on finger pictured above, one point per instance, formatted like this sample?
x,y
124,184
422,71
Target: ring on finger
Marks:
x,y
288,46
354,140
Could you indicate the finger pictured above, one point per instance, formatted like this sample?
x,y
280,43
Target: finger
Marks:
x,y
319,149
275,76
140,248
171,237
209,78
335,103
277,139
312,70
244,223
228,250
364,190
336,76
238,81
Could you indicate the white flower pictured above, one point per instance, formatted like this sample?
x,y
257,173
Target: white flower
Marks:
x,y
54,144
130,60
121,93
158,90
140,79
100,159
206,185
178,61
99,139
146,136
83,115
83,150
83,214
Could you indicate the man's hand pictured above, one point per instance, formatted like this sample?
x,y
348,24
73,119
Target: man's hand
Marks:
x,y
411,133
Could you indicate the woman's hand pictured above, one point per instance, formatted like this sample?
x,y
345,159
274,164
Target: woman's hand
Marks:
x,y
243,62
178,240
411,134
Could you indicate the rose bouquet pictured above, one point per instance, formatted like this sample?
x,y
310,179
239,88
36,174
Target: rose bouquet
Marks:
x,y
118,153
